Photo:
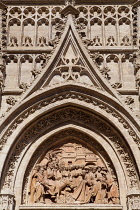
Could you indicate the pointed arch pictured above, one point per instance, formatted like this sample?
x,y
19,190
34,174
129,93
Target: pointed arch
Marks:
x,y
92,110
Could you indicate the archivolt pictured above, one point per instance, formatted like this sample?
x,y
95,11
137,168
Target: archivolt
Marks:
x,y
84,107
67,132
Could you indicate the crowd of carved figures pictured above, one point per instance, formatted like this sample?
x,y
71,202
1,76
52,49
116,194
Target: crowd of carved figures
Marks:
x,y
72,174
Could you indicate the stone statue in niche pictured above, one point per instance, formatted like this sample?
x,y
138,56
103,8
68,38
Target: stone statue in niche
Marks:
x,y
72,174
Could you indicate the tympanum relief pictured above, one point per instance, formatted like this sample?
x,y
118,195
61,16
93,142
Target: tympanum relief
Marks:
x,y
72,174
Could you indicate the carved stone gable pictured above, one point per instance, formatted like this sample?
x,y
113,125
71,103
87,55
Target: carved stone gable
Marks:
x,y
69,105
71,66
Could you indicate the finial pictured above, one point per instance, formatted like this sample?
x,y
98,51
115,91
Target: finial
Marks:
x,y
69,2
69,8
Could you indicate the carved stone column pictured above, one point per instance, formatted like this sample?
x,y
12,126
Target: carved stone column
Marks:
x,y
2,45
6,200
3,38
133,200
2,74
138,19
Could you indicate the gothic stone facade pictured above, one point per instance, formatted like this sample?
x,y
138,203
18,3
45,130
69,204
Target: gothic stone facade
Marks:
x,y
70,104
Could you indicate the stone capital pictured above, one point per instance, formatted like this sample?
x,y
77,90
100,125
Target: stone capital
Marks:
x,y
133,200
6,199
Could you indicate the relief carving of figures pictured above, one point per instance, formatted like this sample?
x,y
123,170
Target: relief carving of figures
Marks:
x,y
72,174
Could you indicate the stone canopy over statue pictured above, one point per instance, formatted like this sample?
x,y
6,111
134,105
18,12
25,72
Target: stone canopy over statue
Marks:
x,y
72,174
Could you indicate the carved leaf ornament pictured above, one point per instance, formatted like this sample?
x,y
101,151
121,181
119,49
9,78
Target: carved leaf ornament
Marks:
x,y
70,173
71,61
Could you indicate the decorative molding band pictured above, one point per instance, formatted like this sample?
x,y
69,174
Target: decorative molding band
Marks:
x,y
80,97
64,115
71,207
63,2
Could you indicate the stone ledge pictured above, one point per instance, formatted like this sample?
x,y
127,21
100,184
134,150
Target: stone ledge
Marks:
x,y
113,49
12,92
71,207
128,91
63,2
28,49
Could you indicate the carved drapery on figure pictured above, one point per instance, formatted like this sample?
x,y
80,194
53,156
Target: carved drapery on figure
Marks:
x,y
72,174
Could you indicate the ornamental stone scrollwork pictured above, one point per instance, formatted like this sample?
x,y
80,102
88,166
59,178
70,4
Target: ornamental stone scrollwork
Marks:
x,y
81,97
104,71
53,42
135,25
28,42
24,86
129,100
97,41
71,67
137,70
45,58
136,56
78,116
69,2
36,72
42,42
13,42
11,100
69,8
72,174
117,85
95,56
3,29
125,41
111,41
70,70
2,73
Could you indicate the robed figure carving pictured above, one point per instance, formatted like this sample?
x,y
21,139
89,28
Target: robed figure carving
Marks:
x,y
72,174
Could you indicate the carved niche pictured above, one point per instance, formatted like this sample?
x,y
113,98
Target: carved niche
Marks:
x,y
72,174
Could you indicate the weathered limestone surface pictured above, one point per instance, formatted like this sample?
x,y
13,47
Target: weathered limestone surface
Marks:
x,y
70,104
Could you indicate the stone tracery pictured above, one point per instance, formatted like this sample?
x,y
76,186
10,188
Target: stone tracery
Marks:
x,y
87,20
